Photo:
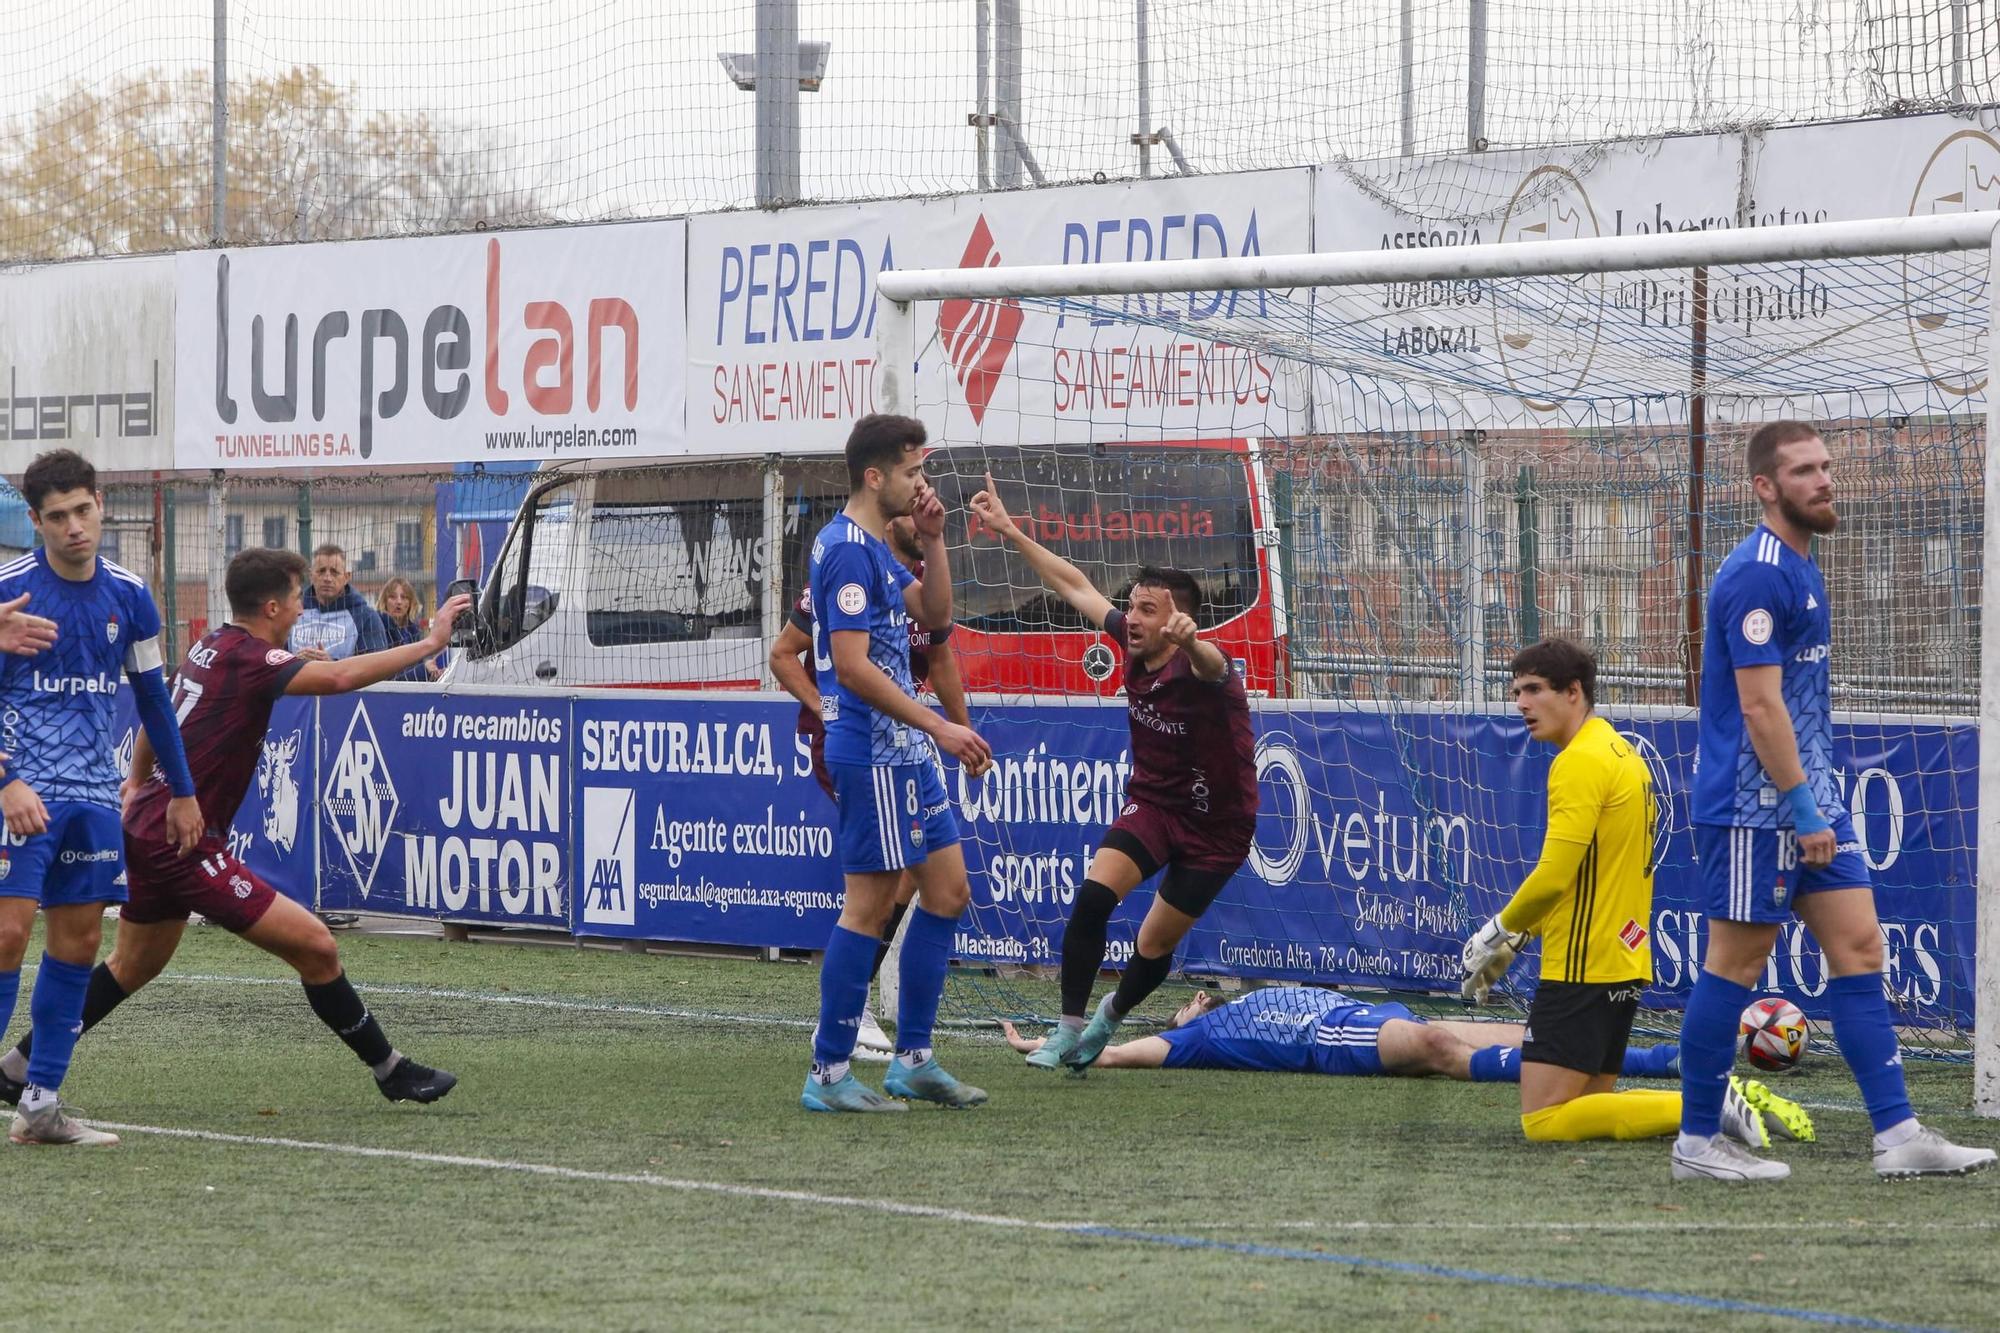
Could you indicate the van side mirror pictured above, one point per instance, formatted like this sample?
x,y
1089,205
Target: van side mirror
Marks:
x,y
465,633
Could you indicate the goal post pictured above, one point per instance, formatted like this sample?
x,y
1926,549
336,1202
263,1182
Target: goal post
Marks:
x,y
1471,447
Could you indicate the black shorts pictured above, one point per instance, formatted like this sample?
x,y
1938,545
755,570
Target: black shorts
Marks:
x,y
1581,1025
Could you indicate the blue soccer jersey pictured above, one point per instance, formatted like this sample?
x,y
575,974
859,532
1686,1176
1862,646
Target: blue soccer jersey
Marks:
x,y
857,584
57,708
1285,1029
1767,608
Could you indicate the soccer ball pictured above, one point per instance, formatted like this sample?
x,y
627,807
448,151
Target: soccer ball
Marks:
x,y
1774,1034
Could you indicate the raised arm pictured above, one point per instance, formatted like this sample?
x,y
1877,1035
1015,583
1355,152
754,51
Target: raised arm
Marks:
x,y
1063,578
355,673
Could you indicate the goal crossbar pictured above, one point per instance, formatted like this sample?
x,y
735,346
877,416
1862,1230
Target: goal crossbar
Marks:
x,y
1749,245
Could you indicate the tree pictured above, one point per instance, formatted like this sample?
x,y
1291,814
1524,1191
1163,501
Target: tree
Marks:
x,y
126,170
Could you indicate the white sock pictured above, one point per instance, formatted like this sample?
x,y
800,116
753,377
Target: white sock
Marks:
x,y
1895,1136
911,1059
826,1075
14,1064
1693,1143
34,1099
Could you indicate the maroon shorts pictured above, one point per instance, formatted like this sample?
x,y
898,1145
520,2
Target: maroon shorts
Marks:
x,y
166,886
1188,840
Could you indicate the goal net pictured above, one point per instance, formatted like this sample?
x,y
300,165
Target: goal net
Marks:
x,y
1391,471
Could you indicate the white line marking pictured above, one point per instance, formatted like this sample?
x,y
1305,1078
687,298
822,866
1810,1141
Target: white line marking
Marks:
x,y
895,1208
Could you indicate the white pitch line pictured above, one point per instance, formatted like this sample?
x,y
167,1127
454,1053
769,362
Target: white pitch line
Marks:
x,y
896,1208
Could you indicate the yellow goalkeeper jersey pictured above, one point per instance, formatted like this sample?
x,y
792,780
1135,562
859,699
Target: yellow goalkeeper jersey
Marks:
x,y
1594,920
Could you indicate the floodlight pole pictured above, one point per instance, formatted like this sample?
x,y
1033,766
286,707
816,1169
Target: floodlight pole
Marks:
x,y
777,102
218,128
1144,137
1007,91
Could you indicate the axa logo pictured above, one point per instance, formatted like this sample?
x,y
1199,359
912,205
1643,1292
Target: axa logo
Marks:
x,y
361,799
978,336
607,856
279,787
434,361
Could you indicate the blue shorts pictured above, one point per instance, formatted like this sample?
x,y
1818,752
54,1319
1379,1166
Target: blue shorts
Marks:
x,y
1346,1042
1754,874
891,815
80,859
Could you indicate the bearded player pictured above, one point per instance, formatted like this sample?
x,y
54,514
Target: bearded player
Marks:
x,y
932,664
1191,802
223,696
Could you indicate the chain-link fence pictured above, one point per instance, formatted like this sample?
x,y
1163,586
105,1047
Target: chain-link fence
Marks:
x,y
422,116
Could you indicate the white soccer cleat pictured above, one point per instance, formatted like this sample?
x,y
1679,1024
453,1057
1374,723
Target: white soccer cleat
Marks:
x,y
54,1125
1722,1158
1742,1121
870,1041
1929,1153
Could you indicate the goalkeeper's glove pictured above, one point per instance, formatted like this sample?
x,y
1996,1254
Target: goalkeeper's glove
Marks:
x,y
1486,958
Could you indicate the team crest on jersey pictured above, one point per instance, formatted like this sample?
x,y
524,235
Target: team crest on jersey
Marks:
x,y
1632,934
240,886
6,865
111,630
277,657
852,599
1778,891
916,835
1757,626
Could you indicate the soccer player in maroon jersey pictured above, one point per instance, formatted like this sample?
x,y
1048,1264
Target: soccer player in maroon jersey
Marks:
x,y
1190,804
223,697
931,663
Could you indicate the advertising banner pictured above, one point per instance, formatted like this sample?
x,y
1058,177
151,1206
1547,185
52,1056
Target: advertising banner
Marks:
x,y
445,806
782,317
563,343
87,352
1889,336
701,823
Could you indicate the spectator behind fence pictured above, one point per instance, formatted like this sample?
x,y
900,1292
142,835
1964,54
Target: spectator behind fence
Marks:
x,y
337,622
402,613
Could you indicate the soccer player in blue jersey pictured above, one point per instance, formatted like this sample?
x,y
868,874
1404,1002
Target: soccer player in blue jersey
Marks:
x,y
1771,833
64,849
1310,1030
894,814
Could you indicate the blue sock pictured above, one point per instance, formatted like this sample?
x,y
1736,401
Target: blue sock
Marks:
x,y
1650,1061
1496,1064
926,959
1866,1035
843,993
1708,1051
10,990
57,1010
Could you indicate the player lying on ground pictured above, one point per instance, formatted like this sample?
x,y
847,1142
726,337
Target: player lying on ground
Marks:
x,y
1191,802
1309,1030
60,797
932,663
1589,897
893,811
1772,832
224,695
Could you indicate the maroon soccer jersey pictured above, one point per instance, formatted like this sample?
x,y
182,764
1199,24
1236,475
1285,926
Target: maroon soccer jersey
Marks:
x,y
922,637
1192,751
223,695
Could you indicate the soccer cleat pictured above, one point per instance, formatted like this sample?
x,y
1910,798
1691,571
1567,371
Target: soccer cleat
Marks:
x,y
1096,1034
1722,1158
929,1082
870,1041
1782,1115
412,1082
1929,1153
849,1094
11,1089
1055,1048
1741,1120
54,1125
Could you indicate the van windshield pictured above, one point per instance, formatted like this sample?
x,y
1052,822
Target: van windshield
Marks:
x,y
1108,510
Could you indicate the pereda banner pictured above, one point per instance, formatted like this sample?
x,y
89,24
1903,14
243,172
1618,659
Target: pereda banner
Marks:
x,y
528,344
87,363
783,314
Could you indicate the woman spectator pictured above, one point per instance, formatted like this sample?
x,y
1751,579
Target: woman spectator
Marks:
x,y
403,616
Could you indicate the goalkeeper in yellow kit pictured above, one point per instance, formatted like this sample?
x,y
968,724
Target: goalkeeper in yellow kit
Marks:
x,y
1590,898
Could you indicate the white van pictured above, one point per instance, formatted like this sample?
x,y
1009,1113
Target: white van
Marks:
x,y
658,575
